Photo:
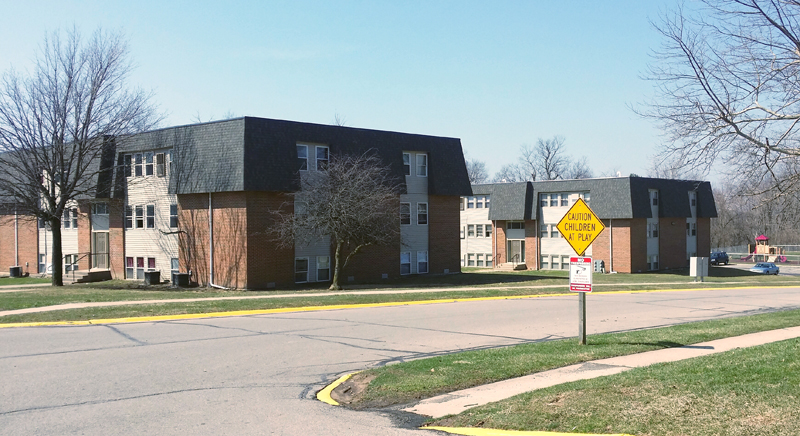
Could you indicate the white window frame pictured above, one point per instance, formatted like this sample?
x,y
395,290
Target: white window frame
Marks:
x,y
173,217
470,259
488,230
150,216
544,229
423,266
489,260
304,165
138,217
403,214
327,259
128,217
161,165
554,233
564,200
553,200
138,165
470,230
175,265
296,272
149,164
544,201
318,160
479,231
405,259
422,165
422,211
479,202
407,164
470,202
479,260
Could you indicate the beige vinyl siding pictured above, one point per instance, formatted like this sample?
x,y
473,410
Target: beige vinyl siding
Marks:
x,y
321,247
144,191
415,236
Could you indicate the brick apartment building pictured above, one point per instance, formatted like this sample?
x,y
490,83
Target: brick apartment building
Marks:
x,y
651,224
199,197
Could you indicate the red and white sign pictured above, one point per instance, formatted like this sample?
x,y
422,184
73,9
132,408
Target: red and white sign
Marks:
x,y
580,274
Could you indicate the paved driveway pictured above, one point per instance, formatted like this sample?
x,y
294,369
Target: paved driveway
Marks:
x,y
257,375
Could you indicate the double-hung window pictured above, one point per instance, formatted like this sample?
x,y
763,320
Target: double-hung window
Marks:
x,y
422,165
161,165
301,270
148,164
422,213
128,165
407,164
70,262
322,157
137,165
128,218
422,262
470,230
302,157
173,216
488,228
543,200
405,263
554,231
71,218
139,217
553,200
479,231
545,230
479,202
471,203
323,268
564,199
405,213
151,216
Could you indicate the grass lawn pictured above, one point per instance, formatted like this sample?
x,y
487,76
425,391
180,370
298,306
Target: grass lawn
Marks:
x,y
405,382
8,281
482,283
752,391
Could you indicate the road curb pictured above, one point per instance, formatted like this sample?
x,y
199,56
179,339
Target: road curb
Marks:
x,y
470,431
325,394
347,306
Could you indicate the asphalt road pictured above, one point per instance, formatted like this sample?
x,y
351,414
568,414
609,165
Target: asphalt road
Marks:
x,y
257,375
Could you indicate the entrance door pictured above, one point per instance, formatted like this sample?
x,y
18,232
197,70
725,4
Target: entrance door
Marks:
x,y
100,250
516,251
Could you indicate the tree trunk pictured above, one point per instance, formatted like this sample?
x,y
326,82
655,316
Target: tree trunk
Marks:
x,y
57,255
336,267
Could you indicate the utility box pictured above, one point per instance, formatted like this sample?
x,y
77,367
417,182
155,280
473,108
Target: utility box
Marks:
x,y
15,271
152,277
698,268
180,280
599,266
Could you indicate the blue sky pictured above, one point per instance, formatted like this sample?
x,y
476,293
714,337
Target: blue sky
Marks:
x,y
495,74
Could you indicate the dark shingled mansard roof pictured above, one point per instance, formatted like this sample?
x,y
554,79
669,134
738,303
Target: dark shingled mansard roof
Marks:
x,y
258,154
610,198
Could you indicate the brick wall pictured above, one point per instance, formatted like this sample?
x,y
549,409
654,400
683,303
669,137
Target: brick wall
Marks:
x,y
116,239
638,245
28,240
531,241
193,223
703,237
84,236
499,243
370,264
620,236
444,239
671,243
268,264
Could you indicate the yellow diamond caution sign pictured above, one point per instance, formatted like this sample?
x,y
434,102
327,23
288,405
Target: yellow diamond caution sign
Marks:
x,y
580,226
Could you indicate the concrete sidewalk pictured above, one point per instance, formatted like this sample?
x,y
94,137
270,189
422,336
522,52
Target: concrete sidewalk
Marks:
x,y
459,401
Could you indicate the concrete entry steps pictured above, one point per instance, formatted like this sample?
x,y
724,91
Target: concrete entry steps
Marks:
x,y
511,267
87,276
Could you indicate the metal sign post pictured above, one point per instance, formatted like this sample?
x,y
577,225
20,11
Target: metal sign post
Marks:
x,y
580,226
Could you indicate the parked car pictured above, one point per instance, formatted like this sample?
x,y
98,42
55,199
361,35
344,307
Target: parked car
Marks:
x,y
765,268
719,257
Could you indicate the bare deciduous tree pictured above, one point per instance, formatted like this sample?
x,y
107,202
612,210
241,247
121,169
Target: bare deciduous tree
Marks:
x,y
476,170
355,202
727,87
56,122
547,160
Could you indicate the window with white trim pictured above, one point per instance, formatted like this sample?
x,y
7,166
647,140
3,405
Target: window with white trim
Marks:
x,y
302,157
422,213
479,258
42,263
139,217
653,262
488,228
128,217
407,164
545,262
486,201
137,165
70,263
479,202
323,268
544,229
553,200
479,231
301,270
489,260
461,203
543,200
175,265
554,233
405,263
470,259
470,230
471,203
422,262
128,160
173,216
322,157
161,165
463,232
405,213
148,164
99,208
422,165
515,225
140,268
565,199
151,216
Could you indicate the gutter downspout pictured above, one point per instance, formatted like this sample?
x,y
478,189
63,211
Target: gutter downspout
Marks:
x,y
16,238
610,245
211,245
